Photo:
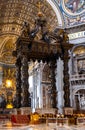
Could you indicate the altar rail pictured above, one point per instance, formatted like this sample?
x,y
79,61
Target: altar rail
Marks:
x,y
58,121
81,120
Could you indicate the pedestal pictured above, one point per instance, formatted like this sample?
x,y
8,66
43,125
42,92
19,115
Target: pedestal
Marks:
x,y
25,110
15,111
68,111
46,110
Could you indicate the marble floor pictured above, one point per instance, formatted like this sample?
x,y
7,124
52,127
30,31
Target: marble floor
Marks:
x,y
7,125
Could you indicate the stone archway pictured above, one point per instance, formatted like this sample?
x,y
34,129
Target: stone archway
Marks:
x,y
77,57
80,99
77,77
75,96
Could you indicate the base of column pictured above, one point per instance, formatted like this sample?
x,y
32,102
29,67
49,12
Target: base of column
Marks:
x,y
68,111
46,110
15,111
25,110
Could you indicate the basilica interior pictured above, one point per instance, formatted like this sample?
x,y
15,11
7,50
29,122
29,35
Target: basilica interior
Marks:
x,y
42,58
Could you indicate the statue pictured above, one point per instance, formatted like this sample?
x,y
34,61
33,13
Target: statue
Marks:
x,y
59,35
40,25
25,30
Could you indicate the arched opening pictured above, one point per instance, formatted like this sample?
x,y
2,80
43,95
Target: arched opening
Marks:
x,y
80,99
78,59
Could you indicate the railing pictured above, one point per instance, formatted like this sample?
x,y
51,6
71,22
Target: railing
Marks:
x,y
81,120
77,77
56,121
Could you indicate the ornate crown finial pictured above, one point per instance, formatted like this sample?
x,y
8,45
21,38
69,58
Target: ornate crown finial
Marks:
x,y
39,5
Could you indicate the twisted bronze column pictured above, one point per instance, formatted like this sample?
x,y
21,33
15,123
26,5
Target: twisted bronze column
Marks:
x,y
18,83
24,82
66,79
53,66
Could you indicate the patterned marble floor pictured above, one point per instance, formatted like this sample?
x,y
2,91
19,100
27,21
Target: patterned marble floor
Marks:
x,y
7,125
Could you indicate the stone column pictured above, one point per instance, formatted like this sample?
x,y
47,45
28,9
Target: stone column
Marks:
x,y
24,82
66,79
18,84
53,83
